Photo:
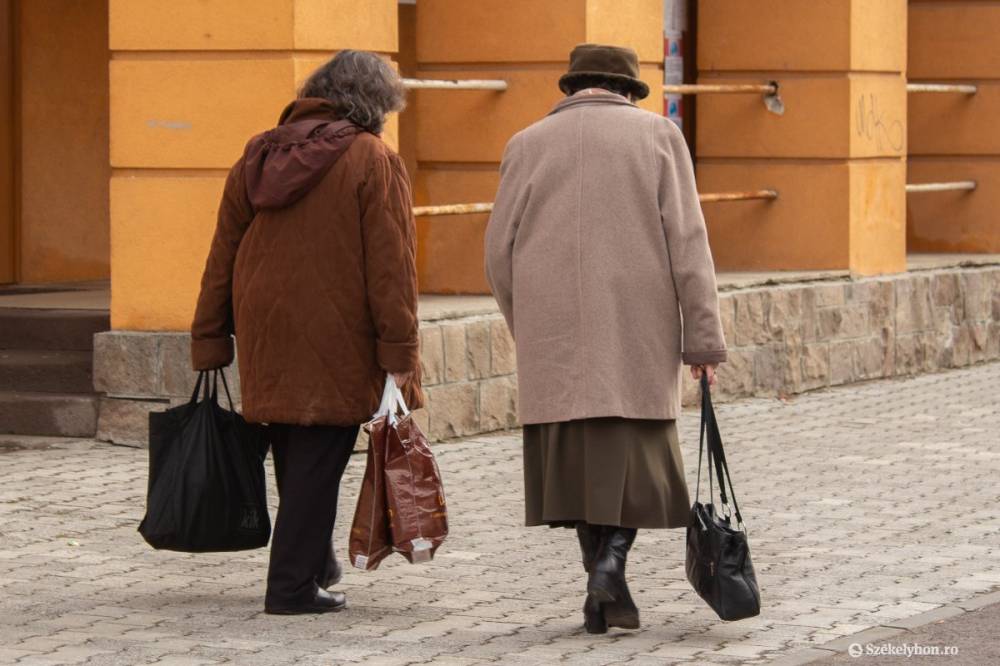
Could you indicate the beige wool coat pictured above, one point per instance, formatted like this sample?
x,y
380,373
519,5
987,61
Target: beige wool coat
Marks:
x,y
597,254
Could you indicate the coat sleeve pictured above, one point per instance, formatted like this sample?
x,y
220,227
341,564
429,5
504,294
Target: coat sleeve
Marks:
x,y
693,270
501,231
213,328
389,235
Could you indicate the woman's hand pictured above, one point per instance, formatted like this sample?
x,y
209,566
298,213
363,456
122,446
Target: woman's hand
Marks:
x,y
696,371
401,378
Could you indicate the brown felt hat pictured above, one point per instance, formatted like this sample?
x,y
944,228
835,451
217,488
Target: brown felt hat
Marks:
x,y
593,61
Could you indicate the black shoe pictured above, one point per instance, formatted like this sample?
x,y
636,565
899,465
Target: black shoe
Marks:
x,y
322,602
607,584
333,571
590,542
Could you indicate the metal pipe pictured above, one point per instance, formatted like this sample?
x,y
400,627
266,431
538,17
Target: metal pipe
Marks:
x,y
453,209
720,88
455,84
958,185
965,88
473,208
738,196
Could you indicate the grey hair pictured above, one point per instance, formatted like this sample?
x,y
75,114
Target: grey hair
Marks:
x,y
362,87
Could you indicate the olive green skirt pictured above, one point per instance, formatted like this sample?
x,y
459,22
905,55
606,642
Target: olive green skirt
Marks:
x,y
606,471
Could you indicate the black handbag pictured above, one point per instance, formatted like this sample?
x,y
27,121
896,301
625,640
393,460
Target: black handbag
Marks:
x,y
206,488
718,555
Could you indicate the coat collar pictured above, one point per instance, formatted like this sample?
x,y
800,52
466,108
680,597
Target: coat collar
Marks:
x,y
590,96
307,108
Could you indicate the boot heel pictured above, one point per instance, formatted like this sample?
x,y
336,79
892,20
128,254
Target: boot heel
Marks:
x,y
593,617
621,616
601,587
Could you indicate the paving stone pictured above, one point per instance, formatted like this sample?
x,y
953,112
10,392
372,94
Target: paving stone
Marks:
x,y
878,467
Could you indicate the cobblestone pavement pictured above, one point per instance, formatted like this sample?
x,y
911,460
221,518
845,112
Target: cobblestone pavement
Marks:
x,y
866,504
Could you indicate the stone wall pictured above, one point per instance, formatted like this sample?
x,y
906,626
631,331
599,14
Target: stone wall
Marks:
x,y
784,339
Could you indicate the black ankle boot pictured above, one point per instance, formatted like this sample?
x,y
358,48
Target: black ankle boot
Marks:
x,y
590,543
593,616
607,584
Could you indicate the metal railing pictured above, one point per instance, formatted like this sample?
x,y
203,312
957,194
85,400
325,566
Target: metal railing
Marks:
x,y
948,186
720,88
472,208
769,91
964,88
453,209
455,84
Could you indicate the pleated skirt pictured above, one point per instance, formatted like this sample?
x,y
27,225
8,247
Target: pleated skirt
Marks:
x,y
605,471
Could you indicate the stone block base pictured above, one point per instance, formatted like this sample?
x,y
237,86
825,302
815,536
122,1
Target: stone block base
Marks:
x,y
783,339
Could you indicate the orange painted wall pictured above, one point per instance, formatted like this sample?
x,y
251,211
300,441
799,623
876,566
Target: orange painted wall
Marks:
x,y
837,154
63,140
407,59
460,136
191,81
955,136
7,198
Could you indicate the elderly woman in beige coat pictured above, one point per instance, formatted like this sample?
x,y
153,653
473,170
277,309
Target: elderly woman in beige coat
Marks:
x,y
598,256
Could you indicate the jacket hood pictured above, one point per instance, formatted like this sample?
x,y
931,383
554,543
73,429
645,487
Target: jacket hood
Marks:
x,y
283,164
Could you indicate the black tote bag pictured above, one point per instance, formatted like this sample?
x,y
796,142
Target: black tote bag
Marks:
x,y
718,560
206,488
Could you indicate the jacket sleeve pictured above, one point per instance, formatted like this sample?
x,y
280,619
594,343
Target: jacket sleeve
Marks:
x,y
693,270
389,235
501,231
213,328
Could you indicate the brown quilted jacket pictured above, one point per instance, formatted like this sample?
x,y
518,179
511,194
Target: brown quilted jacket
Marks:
x,y
313,269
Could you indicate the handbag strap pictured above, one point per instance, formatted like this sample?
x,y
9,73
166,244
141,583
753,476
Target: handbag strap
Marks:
x,y
715,450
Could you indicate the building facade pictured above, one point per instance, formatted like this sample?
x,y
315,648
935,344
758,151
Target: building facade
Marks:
x,y
120,119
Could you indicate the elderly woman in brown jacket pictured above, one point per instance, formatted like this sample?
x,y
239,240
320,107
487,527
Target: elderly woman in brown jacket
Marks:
x,y
598,256
312,268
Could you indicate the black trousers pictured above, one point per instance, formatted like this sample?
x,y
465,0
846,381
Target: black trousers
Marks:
x,y
309,462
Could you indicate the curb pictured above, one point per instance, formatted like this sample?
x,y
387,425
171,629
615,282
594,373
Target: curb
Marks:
x,y
888,630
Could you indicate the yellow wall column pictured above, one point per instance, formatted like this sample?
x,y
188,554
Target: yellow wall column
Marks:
x,y
836,156
191,81
461,134
955,136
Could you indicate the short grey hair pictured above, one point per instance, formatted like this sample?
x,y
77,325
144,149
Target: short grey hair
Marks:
x,y
362,87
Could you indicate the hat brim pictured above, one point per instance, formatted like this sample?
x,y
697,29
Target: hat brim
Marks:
x,y
635,86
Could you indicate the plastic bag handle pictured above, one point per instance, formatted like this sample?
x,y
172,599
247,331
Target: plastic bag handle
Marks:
x,y
392,401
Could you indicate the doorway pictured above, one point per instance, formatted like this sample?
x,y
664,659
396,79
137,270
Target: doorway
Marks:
x,y
7,129
54,141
